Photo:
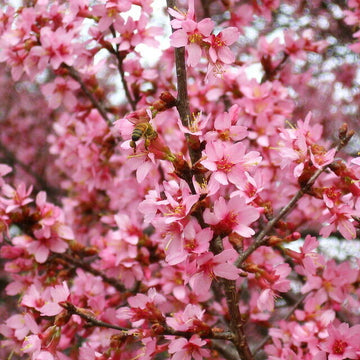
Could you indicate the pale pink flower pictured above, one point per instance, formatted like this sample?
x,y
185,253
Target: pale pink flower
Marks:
x,y
183,349
59,294
184,320
219,45
339,217
209,266
61,92
192,35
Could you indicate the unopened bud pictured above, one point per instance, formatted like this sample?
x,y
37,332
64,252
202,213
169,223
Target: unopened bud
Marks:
x,y
343,131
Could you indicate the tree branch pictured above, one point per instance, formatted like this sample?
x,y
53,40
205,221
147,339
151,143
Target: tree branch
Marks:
x,y
75,75
120,58
182,105
84,314
87,267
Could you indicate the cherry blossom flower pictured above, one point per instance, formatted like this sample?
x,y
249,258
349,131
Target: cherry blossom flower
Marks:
x,y
219,45
188,320
183,349
210,266
342,342
234,215
192,35
61,91
228,162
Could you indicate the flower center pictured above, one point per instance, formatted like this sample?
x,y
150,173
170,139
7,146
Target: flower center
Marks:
x,y
339,347
224,165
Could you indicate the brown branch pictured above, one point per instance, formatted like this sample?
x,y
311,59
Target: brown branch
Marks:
x,y
206,7
84,314
120,59
237,324
225,335
87,267
75,75
182,103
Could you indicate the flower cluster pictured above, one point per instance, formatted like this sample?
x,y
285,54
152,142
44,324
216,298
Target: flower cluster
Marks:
x,y
149,209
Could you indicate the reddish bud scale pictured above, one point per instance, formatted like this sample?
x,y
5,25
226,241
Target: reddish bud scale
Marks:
x,y
306,175
168,99
157,329
236,240
274,240
343,131
160,150
62,318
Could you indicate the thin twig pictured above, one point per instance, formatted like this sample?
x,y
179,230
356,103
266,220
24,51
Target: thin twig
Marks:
x,y
71,308
182,104
75,75
85,314
225,335
226,351
120,59
237,322
87,267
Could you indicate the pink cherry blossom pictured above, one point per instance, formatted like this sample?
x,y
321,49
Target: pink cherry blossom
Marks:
x,y
228,162
209,266
184,349
233,215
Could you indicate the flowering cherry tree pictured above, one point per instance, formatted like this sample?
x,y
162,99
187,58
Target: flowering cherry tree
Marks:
x,y
158,162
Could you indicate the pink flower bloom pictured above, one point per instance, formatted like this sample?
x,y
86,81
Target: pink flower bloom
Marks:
x,y
219,45
61,91
210,265
274,281
342,342
226,127
56,48
183,349
228,162
192,35
16,197
59,293
109,14
340,218
187,319
234,215
192,240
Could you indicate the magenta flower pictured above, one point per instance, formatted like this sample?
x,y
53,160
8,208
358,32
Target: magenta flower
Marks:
x,y
234,215
342,342
228,162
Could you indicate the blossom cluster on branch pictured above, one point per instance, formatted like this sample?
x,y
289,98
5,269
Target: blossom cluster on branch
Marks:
x,y
148,206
